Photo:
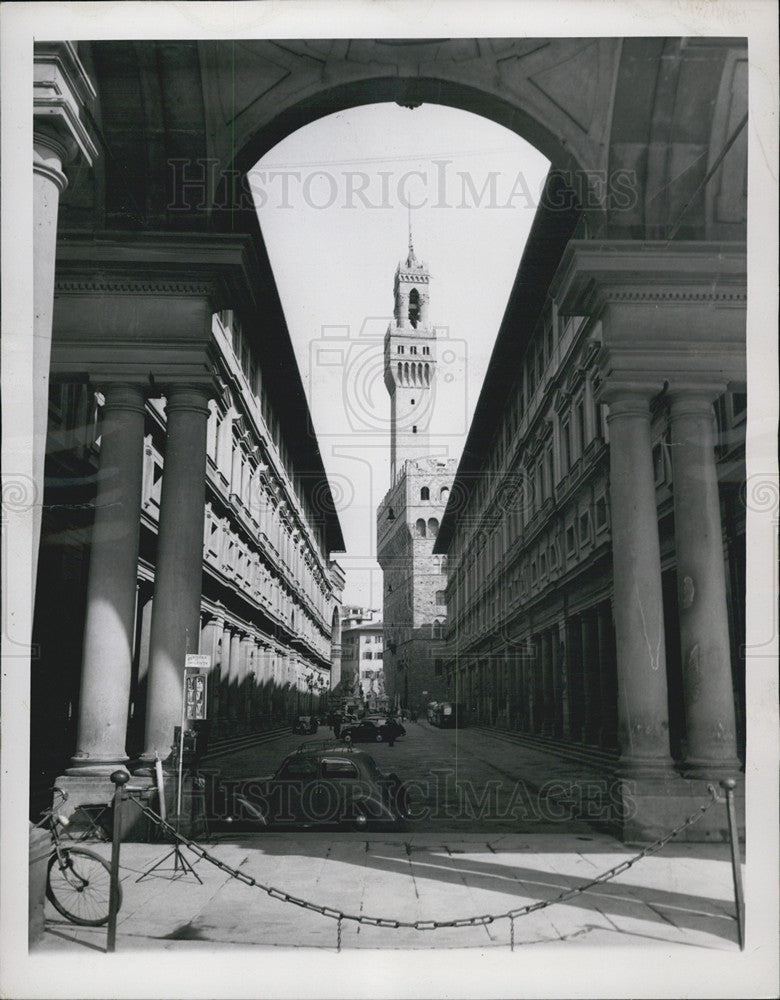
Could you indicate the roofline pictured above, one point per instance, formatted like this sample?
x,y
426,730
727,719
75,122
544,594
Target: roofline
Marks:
x,y
552,228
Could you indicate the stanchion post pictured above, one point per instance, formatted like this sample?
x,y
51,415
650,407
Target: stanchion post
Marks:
x,y
728,785
120,779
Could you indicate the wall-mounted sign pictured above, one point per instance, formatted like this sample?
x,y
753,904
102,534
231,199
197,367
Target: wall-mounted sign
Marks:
x,y
195,695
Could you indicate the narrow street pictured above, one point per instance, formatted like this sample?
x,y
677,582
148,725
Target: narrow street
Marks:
x,y
469,780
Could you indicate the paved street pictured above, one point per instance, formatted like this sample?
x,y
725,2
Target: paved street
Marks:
x,y
464,780
443,868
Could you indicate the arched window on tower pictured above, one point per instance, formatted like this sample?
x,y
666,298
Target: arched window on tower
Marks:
x,y
414,307
427,374
420,526
399,371
433,526
425,493
444,494
406,373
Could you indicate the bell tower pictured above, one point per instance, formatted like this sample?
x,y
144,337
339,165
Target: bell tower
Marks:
x,y
410,363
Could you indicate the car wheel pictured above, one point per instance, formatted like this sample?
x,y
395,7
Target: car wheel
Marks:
x,y
378,738
347,738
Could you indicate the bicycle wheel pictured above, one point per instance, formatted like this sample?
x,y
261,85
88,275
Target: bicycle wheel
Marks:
x,y
80,888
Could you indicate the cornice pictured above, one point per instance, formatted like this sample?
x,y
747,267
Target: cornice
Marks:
x,y
222,267
593,273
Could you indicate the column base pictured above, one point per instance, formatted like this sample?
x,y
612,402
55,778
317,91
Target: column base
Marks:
x,y
95,767
633,766
98,790
653,807
711,770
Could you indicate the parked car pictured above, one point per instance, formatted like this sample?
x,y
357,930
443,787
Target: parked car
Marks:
x,y
305,724
376,730
327,785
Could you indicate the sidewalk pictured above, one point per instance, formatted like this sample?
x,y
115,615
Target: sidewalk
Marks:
x,y
684,895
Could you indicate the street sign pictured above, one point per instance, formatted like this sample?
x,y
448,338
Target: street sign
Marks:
x,y
197,661
195,694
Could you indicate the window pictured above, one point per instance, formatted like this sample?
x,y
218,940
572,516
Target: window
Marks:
x,y
400,348
297,768
584,527
414,307
412,350
433,526
444,494
581,425
601,513
420,526
440,598
414,428
425,493
367,655
339,769
426,350
659,463
543,564
438,666
565,447
571,541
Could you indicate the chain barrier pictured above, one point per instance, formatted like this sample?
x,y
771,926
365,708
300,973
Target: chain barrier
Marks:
x,y
426,925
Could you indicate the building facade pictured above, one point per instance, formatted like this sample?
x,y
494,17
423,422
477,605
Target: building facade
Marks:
x,y
363,664
408,519
596,555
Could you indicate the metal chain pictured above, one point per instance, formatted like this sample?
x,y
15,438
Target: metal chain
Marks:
x,y
426,925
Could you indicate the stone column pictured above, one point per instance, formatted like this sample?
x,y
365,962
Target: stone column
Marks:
x,y
246,680
234,677
548,719
575,692
607,677
711,749
179,564
560,713
590,677
224,675
60,89
109,628
210,637
643,719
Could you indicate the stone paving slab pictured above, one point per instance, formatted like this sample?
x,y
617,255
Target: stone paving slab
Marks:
x,y
685,898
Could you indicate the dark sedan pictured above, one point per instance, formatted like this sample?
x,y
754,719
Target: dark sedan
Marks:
x,y
373,731
331,785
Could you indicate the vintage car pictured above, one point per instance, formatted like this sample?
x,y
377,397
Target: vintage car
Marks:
x,y
332,784
373,730
305,724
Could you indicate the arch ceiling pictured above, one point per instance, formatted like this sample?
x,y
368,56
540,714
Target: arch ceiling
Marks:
x,y
664,109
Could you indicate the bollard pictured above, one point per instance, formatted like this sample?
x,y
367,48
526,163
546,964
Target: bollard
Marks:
x,y
120,779
728,785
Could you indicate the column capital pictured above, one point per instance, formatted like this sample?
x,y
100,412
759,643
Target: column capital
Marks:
x,y
693,397
626,397
124,396
189,396
61,88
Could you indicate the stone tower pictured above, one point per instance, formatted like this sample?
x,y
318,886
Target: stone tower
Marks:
x,y
408,519
410,363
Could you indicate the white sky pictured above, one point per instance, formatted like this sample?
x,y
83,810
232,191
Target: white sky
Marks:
x,y
332,206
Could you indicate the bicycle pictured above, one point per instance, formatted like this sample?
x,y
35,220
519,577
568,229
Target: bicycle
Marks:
x,y
78,881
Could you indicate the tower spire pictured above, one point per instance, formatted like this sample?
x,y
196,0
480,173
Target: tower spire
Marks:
x,y
411,258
